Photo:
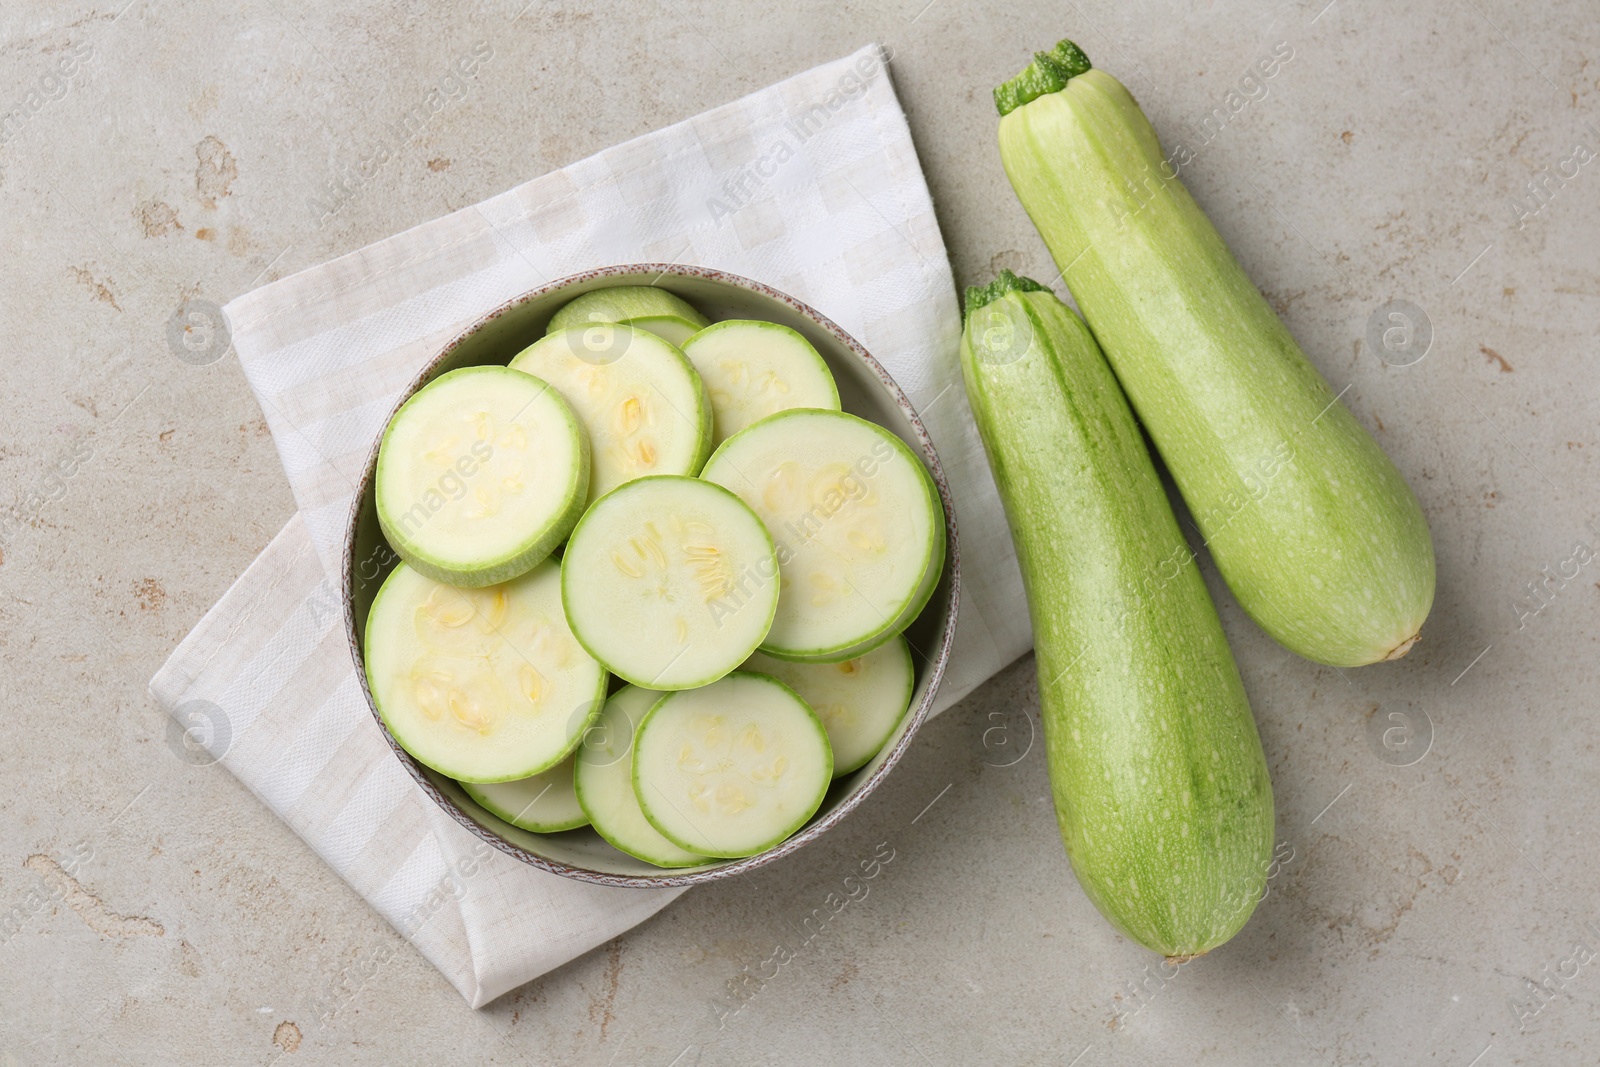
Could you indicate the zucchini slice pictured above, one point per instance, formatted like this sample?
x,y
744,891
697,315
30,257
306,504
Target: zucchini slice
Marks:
x,y
644,307
481,475
545,803
641,401
858,525
753,369
860,701
732,768
482,685
604,782
670,582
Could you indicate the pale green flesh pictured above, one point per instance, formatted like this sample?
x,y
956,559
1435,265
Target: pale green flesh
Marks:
x,y
860,701
753,369
644,307
674,331
480,475
857,523
1159,780
482,685
604,782
545,803
644,407
1314,529
732,768
670,582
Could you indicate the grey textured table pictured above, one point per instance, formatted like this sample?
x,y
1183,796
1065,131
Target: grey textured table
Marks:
x,y
1439,811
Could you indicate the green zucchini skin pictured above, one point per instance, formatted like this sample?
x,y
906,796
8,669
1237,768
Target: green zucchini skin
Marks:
x,y
1160,784
1313,528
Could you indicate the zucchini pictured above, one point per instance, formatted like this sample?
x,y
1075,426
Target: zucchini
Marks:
x,y
480,476
643,307
857,523
753,369
604,782
732,768
644,408
484,685
860,701
670,582
543,804
1311,525
1160,784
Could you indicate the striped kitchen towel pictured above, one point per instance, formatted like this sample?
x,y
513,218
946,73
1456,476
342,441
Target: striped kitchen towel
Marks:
x,y
811,185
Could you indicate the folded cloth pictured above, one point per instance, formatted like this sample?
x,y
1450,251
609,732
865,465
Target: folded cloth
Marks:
x,y
811,185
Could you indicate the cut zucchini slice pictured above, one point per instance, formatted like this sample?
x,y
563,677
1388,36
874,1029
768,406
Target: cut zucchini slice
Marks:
x,y
753,369
546,803
604,782
732,768
644,307
670,582
482,685
857,522
644,406
860,701
480,475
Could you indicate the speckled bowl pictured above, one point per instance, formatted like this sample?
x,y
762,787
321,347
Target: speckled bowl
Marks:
x,y
864,388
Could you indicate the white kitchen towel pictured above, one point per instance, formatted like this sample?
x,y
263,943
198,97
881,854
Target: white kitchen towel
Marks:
x,y
811,185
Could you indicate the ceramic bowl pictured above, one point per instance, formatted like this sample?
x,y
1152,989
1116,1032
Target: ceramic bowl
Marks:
x,y
865,389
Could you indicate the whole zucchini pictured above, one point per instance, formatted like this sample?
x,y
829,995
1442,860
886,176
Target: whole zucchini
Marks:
x,y
1310,524
1160,785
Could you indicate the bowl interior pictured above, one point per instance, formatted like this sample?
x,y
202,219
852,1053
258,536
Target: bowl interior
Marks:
x,y
864,390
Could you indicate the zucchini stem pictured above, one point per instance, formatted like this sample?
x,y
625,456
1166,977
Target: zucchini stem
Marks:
x,y
1048,73
980,295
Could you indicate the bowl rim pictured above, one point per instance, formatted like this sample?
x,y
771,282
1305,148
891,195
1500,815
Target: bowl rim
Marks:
x,y
917,715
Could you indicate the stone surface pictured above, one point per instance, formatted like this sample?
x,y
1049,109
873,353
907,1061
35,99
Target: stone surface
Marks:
x,y
162,915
